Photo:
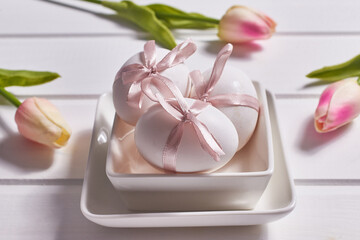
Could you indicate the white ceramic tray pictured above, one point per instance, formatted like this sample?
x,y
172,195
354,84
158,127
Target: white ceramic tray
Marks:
x,y
102,204
236,186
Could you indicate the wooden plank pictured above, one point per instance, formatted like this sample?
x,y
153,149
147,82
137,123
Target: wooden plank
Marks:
x,y
75,17
53,212
56,17
311,155
23,159
329,213
88,65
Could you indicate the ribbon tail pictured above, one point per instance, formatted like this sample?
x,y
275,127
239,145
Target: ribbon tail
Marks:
x,y
146,89
170,107
171,147
166,86
228,100
135,95
207,140
156,84
198,106
162,90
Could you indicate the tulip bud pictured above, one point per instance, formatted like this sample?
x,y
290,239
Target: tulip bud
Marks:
x,y
338,105
242,24
38,120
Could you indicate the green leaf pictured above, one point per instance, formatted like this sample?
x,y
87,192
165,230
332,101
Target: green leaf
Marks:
x,y
146,19
176,18
338,72
25,78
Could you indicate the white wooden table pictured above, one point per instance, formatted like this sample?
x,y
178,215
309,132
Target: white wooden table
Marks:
x,y
40,189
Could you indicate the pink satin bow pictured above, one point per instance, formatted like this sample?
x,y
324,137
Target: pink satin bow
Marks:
x,y
203,89
178,108
151,71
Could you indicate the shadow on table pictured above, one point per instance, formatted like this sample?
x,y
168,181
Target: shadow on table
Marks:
x,y
116,19
313,141
23,153
256,232
73,225
78,147
29,156
315,84
243,50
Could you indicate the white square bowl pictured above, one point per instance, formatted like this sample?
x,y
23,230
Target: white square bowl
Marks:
x,y
237,185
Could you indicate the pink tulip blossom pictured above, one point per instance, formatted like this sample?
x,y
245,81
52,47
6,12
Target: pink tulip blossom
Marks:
x,y
38,120
243,24
338,105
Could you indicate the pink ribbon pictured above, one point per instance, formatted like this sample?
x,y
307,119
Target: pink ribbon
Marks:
x,y
203,89
136,73
178,108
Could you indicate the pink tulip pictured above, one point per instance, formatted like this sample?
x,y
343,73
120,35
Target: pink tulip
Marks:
x,y
242,24
338,105
38,120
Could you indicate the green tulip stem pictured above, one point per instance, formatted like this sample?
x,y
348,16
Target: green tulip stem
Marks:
x,y
358,80
93,1
168,15
194,18
10,97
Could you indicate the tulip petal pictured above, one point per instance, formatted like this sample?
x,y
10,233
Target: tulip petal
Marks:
x,y
55,117
242,24
270,22
342,107
325,99
38,120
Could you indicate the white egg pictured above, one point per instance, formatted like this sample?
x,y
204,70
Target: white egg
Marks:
x,y
233,80
178,74
154,127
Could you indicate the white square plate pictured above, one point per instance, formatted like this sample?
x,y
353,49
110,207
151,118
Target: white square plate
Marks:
x,y
102,204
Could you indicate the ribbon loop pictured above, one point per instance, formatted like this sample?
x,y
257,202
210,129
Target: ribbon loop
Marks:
x,y
219,65
150,54
203,89
177,55
197,80
135,73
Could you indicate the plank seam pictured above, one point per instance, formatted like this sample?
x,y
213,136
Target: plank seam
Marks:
x,y
327,182
62,96
297,95
183,33
66,35
95,96
79,181
44,182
